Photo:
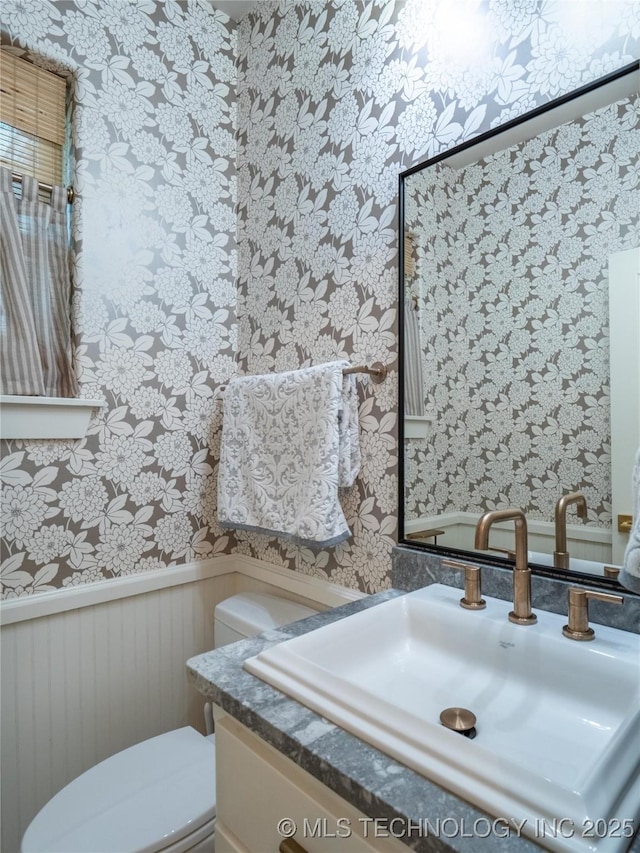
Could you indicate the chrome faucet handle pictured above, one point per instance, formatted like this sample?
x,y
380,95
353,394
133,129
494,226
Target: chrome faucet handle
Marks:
x,y
578,605
472,599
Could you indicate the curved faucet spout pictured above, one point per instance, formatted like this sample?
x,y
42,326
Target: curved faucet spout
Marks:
x,y
561,555
521,613
518,517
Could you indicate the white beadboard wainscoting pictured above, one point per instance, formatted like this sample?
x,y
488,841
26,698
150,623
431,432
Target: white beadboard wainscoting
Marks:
x,y
91,670
583,541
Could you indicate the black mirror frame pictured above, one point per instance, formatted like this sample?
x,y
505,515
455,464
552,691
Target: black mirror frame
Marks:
x,y
440,550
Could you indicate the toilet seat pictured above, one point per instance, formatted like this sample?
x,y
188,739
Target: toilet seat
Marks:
x,y
158,795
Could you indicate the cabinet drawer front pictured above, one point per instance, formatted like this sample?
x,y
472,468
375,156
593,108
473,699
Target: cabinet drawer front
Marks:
x,y
226,842
262,795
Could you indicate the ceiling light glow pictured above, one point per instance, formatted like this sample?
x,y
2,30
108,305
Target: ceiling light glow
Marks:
x,y
462,34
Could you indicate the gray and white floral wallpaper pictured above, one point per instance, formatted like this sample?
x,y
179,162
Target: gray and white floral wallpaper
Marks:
x,y
513,284
154,236
333,100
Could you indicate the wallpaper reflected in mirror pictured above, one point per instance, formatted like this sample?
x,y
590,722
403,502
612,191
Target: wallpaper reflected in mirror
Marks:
x,y
509,289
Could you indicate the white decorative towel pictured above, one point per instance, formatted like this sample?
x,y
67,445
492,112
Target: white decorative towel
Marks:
x,y
289,440
629,576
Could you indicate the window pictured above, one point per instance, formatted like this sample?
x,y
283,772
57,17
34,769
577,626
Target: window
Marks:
x,y
35,327
35,310
409,254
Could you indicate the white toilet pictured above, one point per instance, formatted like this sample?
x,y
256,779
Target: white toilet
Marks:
x,y
158,796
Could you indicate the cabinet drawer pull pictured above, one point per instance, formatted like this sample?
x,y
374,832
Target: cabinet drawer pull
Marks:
x,y
290,845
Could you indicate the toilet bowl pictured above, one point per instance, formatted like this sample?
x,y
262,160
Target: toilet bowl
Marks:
x,y
158,796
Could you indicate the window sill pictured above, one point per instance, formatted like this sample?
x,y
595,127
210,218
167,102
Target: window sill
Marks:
x,y
417,426
45,417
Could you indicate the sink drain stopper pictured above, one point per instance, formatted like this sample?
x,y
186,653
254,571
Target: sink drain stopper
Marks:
x,y
459,720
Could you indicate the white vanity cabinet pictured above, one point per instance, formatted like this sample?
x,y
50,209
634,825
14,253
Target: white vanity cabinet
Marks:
x,y
258,788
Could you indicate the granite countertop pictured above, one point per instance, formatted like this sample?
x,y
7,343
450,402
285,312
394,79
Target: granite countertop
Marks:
x,y
377,785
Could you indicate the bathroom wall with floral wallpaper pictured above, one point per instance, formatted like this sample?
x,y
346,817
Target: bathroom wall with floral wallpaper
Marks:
x,y
153,223
334,98
512,283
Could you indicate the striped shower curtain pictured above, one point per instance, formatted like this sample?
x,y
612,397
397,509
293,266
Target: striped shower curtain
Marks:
x,y
35,309
413,374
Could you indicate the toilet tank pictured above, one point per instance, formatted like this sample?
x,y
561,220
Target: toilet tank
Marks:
x,y
251,613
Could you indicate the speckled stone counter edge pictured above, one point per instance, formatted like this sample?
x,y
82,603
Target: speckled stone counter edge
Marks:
x,y
375,784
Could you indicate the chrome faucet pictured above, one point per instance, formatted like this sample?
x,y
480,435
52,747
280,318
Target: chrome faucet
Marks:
x,y
521,613
561,555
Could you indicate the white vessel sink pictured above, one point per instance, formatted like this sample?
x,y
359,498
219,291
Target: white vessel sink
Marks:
x,y
558,721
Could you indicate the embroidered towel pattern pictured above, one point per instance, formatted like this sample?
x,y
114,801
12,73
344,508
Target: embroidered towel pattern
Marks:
x,y
289,440
630,574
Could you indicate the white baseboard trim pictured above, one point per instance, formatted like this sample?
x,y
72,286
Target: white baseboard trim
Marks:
x,y
89,595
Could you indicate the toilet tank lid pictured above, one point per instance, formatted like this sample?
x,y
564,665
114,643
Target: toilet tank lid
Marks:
x,y
142,799
251,613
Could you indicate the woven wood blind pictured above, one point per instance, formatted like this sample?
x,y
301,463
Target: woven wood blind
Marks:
x,y
32,119
409,255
